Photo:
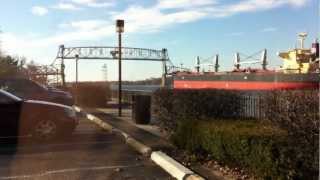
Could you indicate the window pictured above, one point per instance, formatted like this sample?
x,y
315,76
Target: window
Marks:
x,y
6,100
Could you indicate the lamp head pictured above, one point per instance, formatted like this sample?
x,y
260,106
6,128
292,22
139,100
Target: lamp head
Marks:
x,y
120,26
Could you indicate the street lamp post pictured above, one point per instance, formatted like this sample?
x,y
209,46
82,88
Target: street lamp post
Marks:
x,y
120,30
77,78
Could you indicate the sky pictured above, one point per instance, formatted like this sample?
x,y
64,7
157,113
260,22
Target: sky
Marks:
x,y
187,28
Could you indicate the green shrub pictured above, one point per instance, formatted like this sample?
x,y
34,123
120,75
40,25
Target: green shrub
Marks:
x,y
261,148
91,94
298,113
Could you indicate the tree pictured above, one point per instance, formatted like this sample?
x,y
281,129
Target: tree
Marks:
x,y
37,72
17,67
11,67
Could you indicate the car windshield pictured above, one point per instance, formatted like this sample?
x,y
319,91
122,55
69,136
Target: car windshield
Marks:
x,y
159,89
10,96
41,85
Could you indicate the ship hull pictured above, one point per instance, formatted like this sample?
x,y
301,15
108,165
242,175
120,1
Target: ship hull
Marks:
x,y
243,81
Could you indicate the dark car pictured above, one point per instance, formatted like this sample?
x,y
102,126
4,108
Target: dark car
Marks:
x,y
43,120
28,89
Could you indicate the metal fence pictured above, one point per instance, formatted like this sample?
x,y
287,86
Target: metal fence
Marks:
x,y
251,106
255,106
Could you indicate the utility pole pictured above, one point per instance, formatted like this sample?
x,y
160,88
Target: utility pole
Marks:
x,y
120,30
63,78
1,53
77,72
105,72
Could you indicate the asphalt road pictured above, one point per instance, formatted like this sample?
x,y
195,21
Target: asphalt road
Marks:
x,y
89,153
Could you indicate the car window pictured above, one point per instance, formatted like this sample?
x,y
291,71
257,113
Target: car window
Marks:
x,y
5,99
40,86
21,86
3,85
31,86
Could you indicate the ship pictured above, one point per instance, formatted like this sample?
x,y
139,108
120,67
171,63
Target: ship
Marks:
x,y
300,70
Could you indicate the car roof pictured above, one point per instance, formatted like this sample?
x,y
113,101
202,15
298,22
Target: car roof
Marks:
x,y
13,78
11,96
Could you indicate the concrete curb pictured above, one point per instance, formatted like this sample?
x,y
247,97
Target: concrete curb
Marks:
x,y
194,177
94,119
100,123
136,145
173,167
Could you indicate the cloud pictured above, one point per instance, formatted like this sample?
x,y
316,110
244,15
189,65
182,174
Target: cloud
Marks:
x,y
85,24
146,19
24,45
269,29
84,1
98,5
29,46
66,6
152,19
298,3
79,4
95,3
233,34
170,4
39,10
78,35
256,5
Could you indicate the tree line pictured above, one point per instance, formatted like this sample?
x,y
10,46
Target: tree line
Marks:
x,y
17,67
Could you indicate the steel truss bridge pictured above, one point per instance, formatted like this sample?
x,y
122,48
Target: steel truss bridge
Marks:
x,y
112,53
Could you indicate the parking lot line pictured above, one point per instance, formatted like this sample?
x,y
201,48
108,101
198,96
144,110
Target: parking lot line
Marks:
x,y
63,171
30,147
89,133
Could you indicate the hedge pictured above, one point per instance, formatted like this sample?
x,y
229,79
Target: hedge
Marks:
x,y
91,94
296,111
262,149
170,105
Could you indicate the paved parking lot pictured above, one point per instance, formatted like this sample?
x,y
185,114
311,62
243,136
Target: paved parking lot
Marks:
x,y
89,153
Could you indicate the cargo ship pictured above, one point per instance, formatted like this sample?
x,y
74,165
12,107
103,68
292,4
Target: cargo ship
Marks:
x,y
300,70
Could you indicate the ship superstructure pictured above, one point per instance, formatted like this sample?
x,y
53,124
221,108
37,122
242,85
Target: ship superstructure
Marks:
x,y
301,60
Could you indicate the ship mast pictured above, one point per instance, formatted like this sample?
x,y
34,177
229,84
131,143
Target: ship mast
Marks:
x,y
216,66
302,37
198,64
237,61
264,59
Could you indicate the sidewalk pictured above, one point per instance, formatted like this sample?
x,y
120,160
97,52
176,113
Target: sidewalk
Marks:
x,y
127,116
149,135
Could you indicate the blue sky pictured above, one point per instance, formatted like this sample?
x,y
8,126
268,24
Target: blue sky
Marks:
x,y
187,28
